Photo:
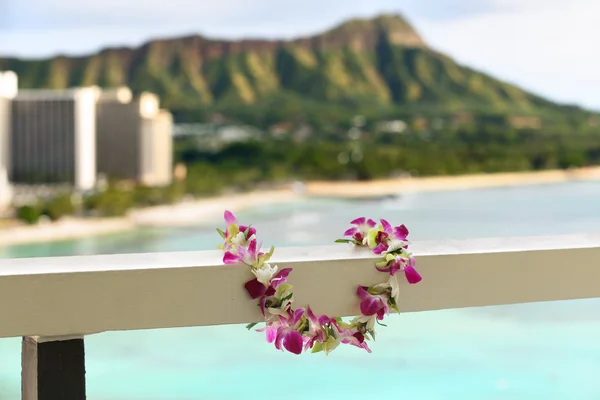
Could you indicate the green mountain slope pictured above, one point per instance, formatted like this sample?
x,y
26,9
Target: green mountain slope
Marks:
x,y
376,62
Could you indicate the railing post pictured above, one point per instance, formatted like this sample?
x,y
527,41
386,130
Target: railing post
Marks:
x,y
53,368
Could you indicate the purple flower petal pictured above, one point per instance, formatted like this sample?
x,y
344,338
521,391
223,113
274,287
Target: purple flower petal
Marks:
x,y
383,269
293,342
335,324
365,346
271,334
230,258
251,232
351,231
394,267
309,343
321,320
243,255
354,340
298,313
279,337
387,227
311,316
370,306
371,223
412,276
401,232
270,291
255,288
252,248
380,248
359,336
381,236
263,301
362,293
318,338
358,221
229,217
280,277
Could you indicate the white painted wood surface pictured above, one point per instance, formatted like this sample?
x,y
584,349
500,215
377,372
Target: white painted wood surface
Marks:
x,y
64,296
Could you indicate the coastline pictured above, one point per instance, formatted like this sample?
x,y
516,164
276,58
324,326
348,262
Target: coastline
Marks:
x,y
184,213
208,209
205,210
398,186
65,229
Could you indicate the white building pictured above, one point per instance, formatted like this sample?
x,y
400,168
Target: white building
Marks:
x,y
70,136
8,90
134,138
53,137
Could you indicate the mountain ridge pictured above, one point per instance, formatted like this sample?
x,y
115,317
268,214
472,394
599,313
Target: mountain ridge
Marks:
x,y
377,62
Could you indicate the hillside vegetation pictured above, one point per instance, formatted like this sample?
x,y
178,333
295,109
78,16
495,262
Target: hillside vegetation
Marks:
x,y
379,64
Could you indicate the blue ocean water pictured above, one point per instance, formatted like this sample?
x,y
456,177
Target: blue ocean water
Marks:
x,y
527,351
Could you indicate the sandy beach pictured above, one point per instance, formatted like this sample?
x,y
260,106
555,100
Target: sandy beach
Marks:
x,y
206,210
184,213
67,228
390,187
197,211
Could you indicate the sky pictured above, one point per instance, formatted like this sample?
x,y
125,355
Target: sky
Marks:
x,y
546,46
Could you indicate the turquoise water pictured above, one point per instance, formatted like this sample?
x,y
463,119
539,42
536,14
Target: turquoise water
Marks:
x,y
528,351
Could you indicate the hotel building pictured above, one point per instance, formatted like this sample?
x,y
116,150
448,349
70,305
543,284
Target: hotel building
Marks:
x,y
134,138
8,90
53,137
70,136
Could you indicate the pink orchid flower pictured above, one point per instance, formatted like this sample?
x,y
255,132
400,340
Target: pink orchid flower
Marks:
x,y
392,266
359,231
395,263
391,238
287,336
382,241
358,340
230,220
247,256
271,330
397,232
392,263
251,230
412,276
316,332
372,304
352,337
400,263
256,289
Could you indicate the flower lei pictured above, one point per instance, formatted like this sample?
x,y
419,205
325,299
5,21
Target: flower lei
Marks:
x,y
299,329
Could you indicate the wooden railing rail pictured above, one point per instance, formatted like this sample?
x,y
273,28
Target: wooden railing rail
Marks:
x,y
54,302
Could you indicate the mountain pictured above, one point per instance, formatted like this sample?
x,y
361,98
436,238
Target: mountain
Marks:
x,y
377,62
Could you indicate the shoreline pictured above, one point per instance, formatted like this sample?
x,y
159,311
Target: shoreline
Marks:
x,y
206,210
65,229
399,186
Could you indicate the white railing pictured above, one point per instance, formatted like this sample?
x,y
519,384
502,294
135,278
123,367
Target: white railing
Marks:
x,y
50,301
